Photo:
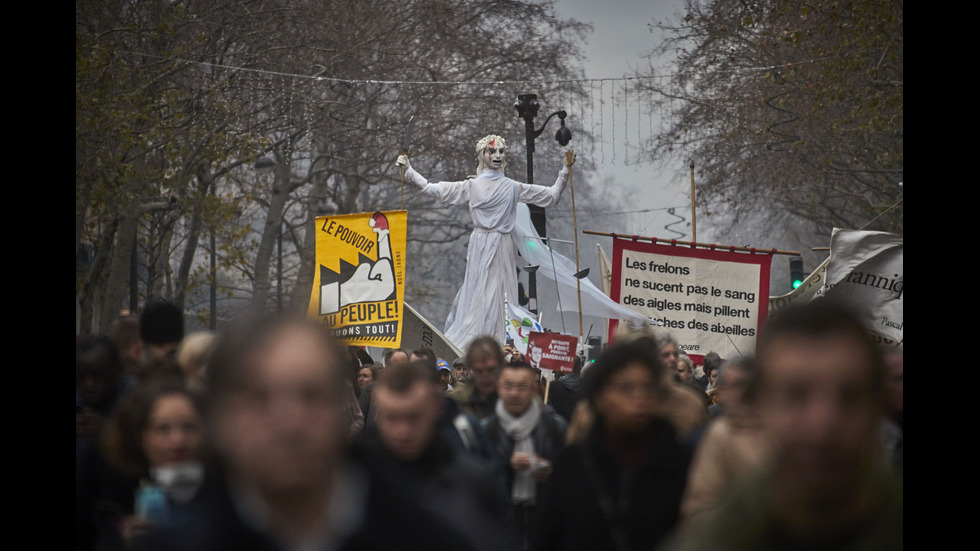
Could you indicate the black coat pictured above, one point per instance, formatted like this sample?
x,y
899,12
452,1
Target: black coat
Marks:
x,y
459,488
103,497
564,394
593,502
548,438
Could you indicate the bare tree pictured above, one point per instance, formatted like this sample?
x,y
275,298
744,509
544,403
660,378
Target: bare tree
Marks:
x,y
349,130
792,112
176,102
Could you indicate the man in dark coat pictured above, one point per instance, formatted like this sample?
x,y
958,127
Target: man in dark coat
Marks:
x,y
420,458
527,436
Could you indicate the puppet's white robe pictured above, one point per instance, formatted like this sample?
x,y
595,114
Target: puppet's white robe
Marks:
x,y
491,257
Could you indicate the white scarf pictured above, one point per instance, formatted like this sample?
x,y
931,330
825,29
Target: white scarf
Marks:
x,y
520,429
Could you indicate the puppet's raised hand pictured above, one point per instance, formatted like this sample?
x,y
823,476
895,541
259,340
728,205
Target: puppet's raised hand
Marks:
x,y
569,158
402,162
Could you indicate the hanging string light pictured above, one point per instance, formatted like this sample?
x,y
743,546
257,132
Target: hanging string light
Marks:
x,y
644,89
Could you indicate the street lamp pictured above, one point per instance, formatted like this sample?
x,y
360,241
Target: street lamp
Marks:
x,y
527,108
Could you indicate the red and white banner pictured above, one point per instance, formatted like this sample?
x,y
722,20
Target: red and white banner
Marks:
x,y
709,300
552,351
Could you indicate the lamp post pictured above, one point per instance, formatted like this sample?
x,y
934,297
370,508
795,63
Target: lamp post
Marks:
x,y
527,108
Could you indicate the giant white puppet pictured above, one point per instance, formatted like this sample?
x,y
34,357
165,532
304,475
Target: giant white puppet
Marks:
x,y
491,257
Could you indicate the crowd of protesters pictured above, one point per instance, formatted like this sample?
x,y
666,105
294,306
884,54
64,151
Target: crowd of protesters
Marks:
x,y
271,436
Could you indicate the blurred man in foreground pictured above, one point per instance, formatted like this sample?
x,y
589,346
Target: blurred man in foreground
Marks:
x,y
284,477
819,394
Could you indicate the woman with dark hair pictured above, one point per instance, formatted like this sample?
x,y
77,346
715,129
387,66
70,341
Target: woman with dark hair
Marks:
x,y
155,442
620,488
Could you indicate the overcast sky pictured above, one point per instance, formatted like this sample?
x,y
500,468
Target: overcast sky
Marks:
x,y
621,35
614,49
621,31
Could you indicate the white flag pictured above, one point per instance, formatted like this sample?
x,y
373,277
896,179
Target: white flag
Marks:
x,y
520,324
865,272
561,269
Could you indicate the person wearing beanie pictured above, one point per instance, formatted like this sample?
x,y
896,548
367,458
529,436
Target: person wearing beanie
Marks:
x,y
161,330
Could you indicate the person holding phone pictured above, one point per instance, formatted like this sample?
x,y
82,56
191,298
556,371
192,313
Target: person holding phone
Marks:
x,y
152,448
528,435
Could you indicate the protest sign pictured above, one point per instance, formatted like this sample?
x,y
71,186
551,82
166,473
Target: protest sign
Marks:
x,y
709,300
359,278
552,351
419,333
866,273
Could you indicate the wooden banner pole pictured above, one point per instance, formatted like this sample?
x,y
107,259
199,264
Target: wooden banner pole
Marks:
x,y
578,282
756,250
694,220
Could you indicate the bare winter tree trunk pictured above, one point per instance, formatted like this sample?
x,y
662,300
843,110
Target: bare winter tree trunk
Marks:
x,y
193,238
90,288
299,298
119,261
270,234
158,281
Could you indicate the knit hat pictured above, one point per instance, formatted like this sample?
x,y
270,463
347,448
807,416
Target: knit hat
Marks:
x,y
161,323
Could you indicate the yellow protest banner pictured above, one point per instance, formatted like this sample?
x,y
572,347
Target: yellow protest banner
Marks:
x,y
359,280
